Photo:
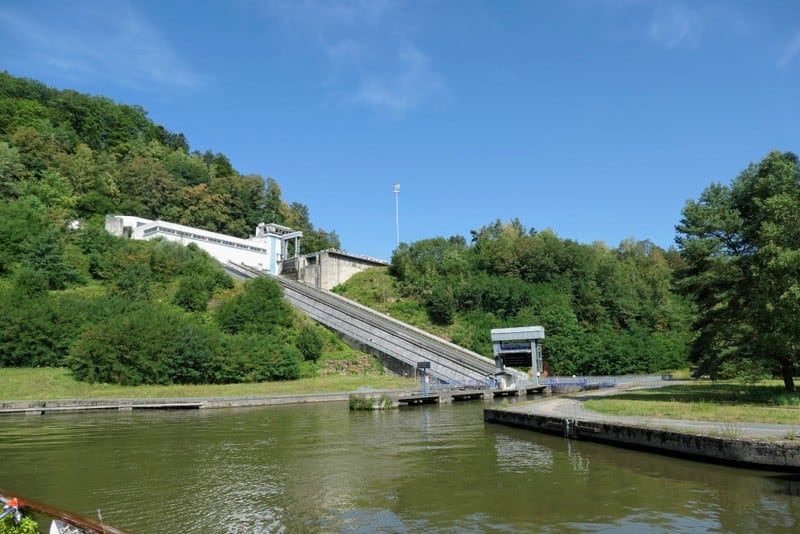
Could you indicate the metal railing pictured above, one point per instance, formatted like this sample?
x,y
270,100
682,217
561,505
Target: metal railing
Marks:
x,y
580,381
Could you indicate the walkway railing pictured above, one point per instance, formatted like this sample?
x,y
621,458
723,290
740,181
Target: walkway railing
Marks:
x,y
585,382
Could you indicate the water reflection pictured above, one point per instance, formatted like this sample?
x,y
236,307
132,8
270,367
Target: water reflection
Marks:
x,y
323,468
516,455
579,462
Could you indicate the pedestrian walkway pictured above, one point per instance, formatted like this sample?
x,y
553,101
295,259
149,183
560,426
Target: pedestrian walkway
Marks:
x,y
572,406
753,445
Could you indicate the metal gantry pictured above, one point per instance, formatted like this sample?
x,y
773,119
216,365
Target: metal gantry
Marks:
x,y
517,347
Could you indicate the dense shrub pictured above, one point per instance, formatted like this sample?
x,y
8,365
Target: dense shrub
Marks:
x,y
146,344
254,358
259,308
309,342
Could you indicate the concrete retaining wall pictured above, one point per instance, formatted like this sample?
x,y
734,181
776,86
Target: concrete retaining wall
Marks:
x,y
66,405
327,269
778,455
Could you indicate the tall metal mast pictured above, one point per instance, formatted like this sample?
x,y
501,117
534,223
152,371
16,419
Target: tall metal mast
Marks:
x,y
396,190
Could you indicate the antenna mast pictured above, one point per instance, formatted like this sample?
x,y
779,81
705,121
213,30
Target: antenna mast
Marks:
x,y
396,191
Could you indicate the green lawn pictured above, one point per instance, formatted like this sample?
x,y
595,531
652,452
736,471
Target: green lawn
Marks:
x,y
706,401
56,383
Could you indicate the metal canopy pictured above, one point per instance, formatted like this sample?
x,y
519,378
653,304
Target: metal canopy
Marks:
x,y
520,333
517,347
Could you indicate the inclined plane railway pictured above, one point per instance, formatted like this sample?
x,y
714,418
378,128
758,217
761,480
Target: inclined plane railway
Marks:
x,y
449,363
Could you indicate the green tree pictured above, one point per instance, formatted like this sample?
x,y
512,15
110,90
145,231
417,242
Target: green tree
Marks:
x,y
145,344
314,239
309,343
441,304
201,276
741,244
274,207
151,190
11,169
19,220
250,357
259,308
44,253
25,330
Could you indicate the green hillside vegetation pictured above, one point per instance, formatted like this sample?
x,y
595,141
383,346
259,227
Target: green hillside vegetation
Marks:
x,y
112,310
127,312
605,311
727,300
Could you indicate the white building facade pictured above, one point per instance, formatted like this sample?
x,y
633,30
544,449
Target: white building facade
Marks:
x,y
265,250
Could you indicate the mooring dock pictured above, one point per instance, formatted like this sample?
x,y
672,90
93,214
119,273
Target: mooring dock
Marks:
x,y
458,395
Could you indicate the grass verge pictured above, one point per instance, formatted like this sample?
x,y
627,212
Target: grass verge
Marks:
x,y
57,383
726,402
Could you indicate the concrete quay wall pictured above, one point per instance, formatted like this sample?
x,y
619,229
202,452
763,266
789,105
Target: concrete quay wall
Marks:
x,y
771,454
74,405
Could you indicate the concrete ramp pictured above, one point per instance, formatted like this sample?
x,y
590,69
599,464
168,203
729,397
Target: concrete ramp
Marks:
x,y
399,345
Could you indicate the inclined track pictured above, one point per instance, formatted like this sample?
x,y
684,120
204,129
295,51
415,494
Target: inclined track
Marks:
x,y
449,362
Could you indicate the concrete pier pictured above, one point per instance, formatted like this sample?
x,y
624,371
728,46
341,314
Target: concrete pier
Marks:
x,y
458,395
743,445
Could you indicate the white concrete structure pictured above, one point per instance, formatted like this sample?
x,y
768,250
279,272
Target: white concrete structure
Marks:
x,y
327,269
266,250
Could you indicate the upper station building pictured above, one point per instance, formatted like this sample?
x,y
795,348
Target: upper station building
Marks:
x,y
268,250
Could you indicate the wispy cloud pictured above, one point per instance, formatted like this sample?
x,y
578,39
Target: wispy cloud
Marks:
x,y
791,51
371,56
327,14
404,89
675,24
103,41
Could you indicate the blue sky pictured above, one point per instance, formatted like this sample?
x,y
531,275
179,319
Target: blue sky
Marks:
x,y
597,119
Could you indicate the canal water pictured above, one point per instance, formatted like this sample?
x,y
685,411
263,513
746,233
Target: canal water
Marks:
x,y
323,468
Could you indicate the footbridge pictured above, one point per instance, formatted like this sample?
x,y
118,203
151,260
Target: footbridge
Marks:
x,y
399,346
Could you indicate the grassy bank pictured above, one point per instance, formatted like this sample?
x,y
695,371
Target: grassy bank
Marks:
x,y
51,383
706,401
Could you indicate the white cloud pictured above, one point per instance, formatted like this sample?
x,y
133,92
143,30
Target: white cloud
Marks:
x,y
98,41
370,54
404,89
675,24
791,51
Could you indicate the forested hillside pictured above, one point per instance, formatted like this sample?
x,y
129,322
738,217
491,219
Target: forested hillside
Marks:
x,y
605,311
83,156
134,312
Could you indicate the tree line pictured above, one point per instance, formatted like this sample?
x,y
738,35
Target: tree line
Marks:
x,y
605,311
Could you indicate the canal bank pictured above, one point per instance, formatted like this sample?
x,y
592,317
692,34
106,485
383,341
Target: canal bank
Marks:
x,y
77,405
760,446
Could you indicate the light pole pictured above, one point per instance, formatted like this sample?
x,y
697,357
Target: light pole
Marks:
x,y
396,191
